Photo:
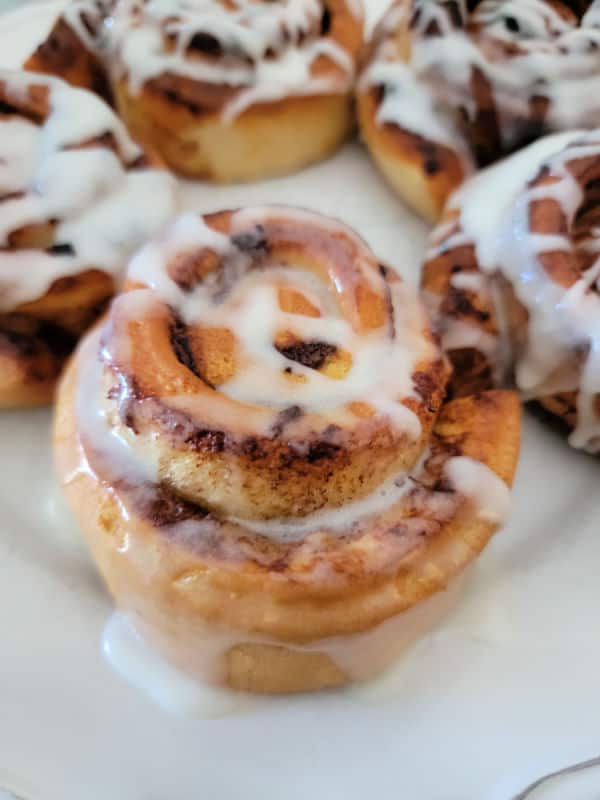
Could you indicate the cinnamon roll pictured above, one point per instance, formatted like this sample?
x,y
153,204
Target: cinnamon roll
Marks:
x,y
256,446
452,85
75,201
227,90
512,278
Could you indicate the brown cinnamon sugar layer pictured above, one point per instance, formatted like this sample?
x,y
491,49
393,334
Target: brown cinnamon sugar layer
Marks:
x,y
401,534
64,54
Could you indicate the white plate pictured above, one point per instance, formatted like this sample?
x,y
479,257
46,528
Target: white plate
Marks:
x,y
504,692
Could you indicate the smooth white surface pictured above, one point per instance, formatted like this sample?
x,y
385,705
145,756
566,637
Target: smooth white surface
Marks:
x,y
506,691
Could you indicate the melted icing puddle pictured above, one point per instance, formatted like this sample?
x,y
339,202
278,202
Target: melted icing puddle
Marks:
x,y
145,669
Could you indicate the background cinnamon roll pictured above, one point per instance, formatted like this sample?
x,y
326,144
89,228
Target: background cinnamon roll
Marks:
x,y
452,85
256,446
224,90
75,201
512,279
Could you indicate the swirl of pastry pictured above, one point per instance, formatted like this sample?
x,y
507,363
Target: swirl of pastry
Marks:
x,y
451,86
256,447
75,202
228,90
513,280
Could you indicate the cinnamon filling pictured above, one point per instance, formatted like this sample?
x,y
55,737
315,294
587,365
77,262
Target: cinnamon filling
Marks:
x,y
309,354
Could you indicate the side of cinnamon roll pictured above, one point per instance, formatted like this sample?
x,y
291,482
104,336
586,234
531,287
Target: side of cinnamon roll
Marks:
x,y
75,201
512,279
256,446
228,91
451,86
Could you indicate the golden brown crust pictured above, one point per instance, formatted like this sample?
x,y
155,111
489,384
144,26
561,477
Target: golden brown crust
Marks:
x,y
422,172
266,140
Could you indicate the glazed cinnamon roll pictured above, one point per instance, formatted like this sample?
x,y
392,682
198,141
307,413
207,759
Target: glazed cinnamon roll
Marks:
x,y
256,446
451,85
228,90
75,201
512,277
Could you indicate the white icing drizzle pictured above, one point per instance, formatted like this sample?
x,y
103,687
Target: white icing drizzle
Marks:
x,y
265,50
469,281
563,331
406,101
104,210
503,182
251,311
172,690
524,48
489,494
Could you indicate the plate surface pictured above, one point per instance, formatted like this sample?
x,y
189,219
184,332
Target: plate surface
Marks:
x,y
504,692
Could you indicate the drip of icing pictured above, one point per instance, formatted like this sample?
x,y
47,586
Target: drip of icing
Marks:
x,y
476,481
542,56
109,446
405,99
145,669
104,210
562,323
267,50
359,656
